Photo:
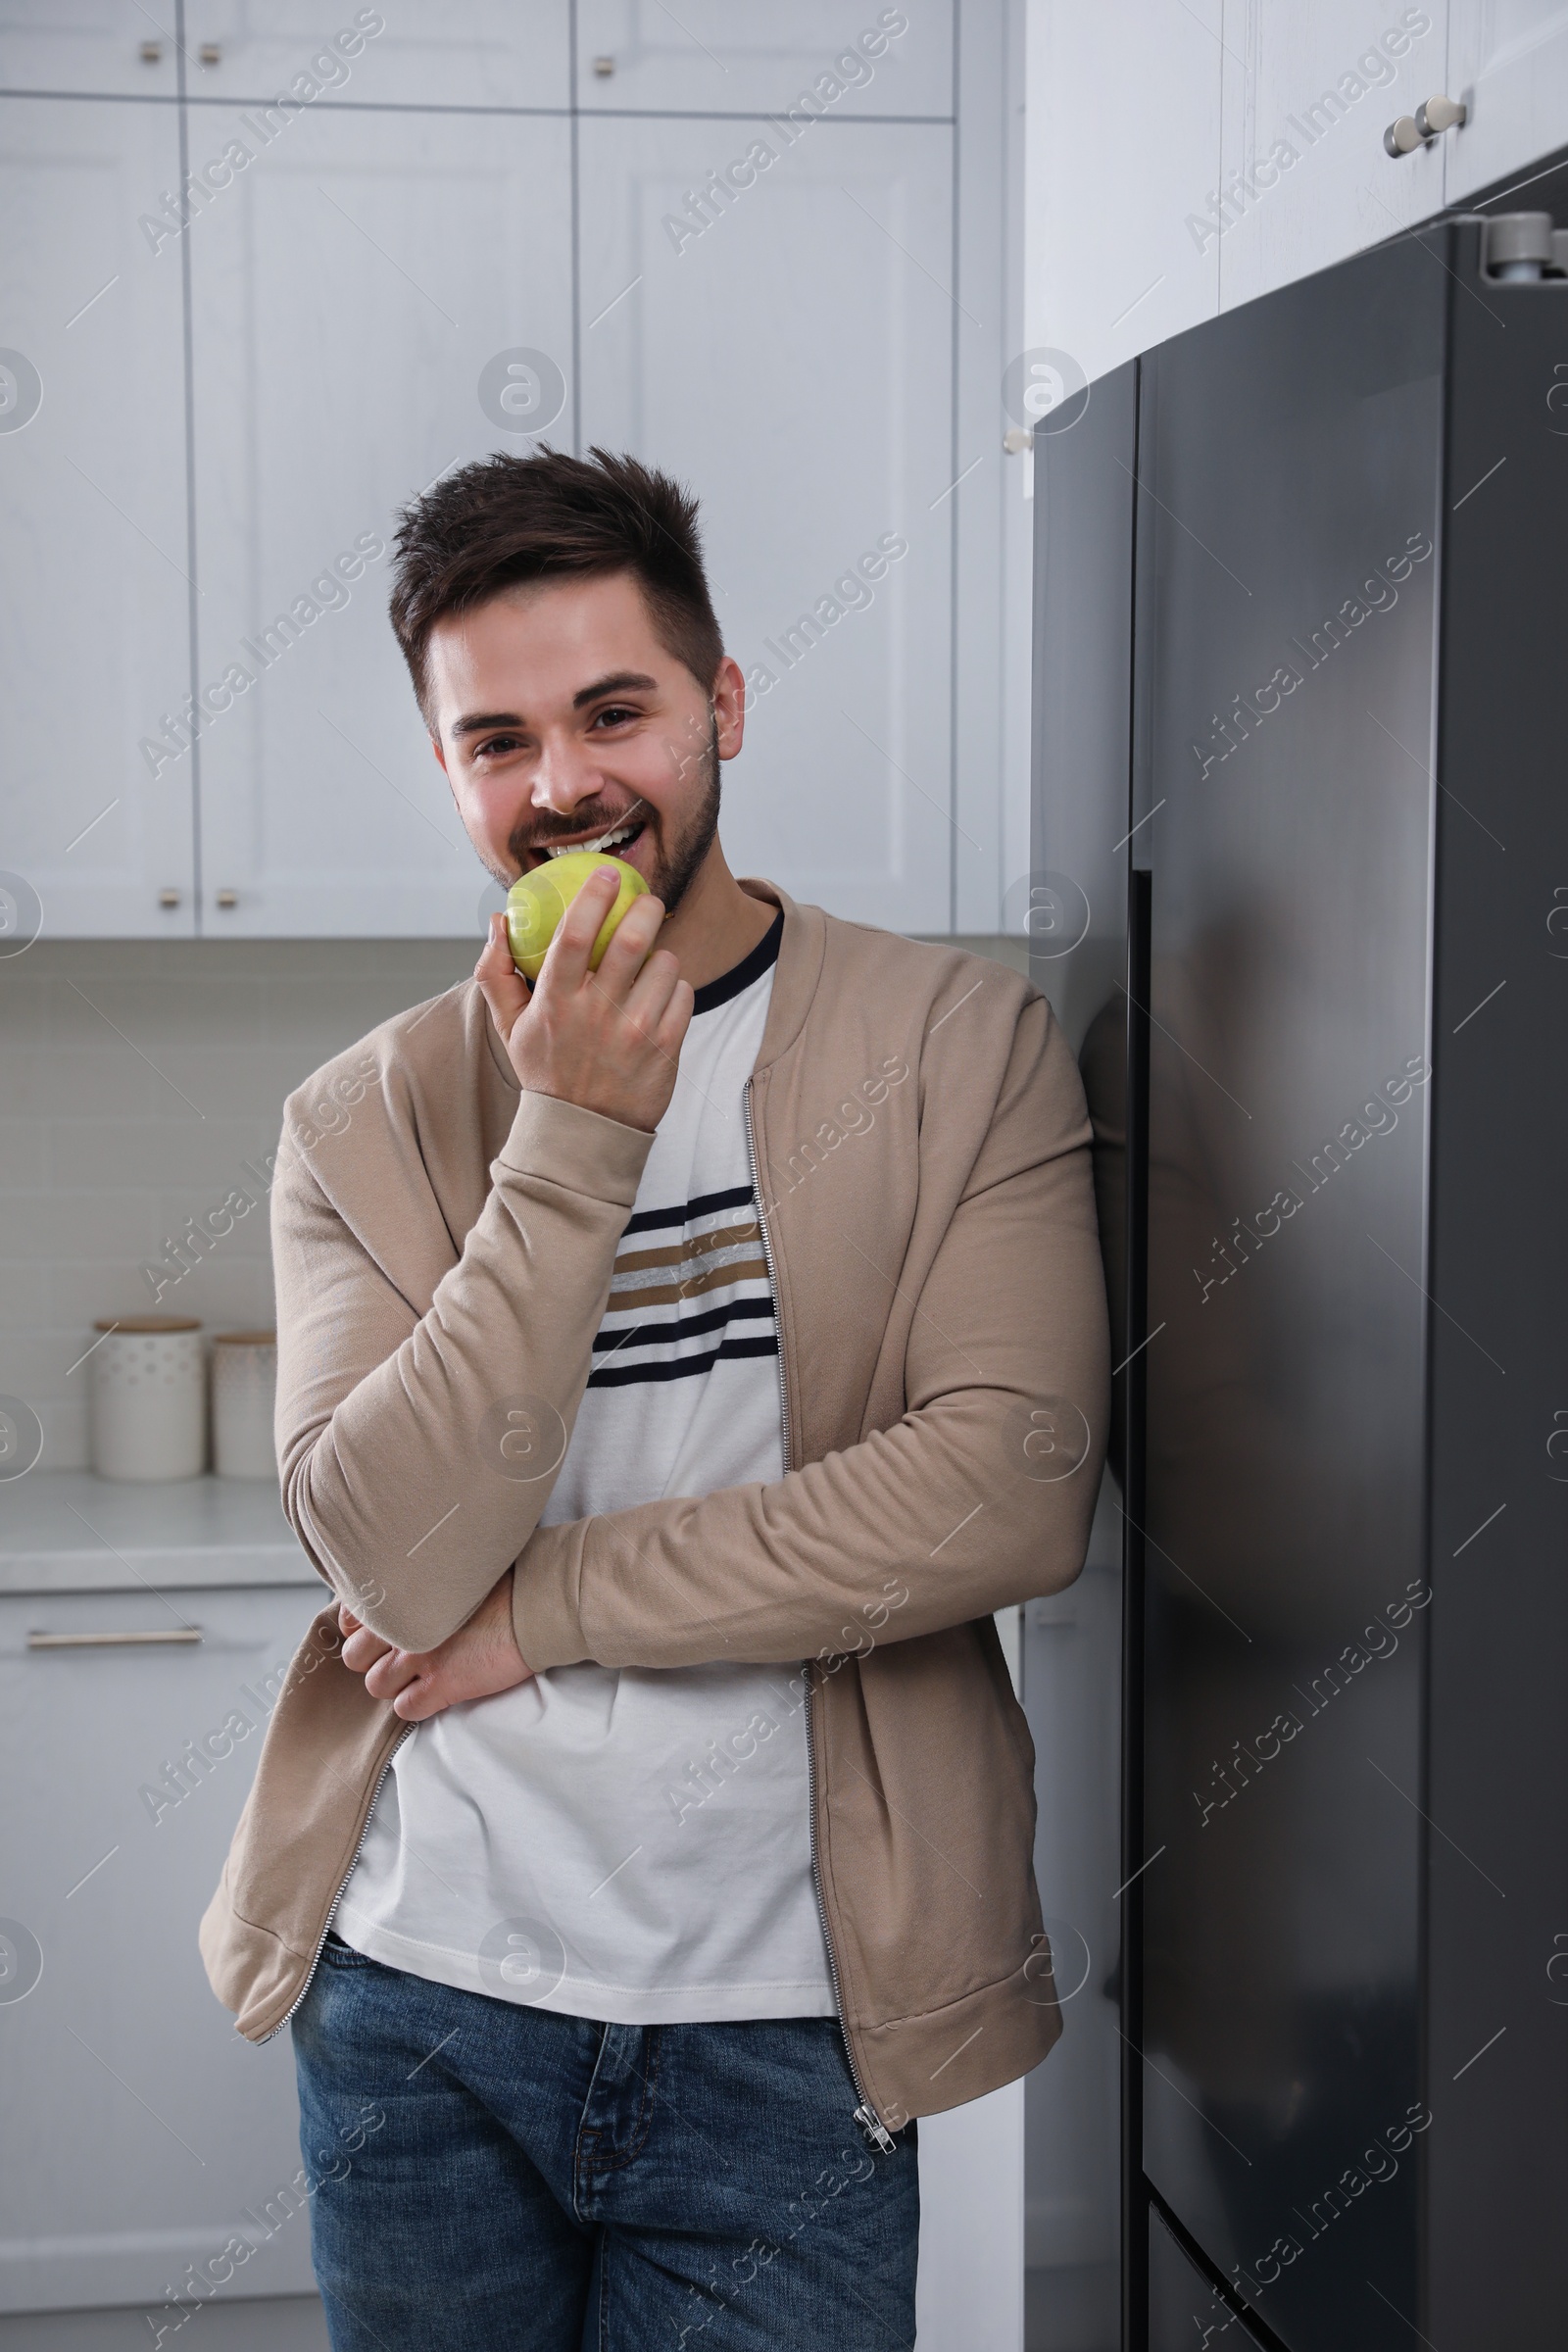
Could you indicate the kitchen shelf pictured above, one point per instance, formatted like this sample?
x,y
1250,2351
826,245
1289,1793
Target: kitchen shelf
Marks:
x,y
66,1531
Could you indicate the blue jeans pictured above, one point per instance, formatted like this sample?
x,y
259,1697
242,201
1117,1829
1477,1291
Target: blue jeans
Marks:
x,y
500,2178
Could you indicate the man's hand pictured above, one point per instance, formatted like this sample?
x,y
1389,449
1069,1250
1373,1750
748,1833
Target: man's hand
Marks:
x,y
609,1041
479,1659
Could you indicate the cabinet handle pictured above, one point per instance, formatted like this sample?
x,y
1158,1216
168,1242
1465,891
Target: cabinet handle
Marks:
x,y
228,898
151,53
1437,115
169,897
1431,119
603,67
186,1636
211,53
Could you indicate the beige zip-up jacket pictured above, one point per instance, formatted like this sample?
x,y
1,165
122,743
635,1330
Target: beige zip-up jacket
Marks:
x,y
443,1247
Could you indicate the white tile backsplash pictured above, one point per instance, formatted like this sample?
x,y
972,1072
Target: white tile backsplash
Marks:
x,y
136,1078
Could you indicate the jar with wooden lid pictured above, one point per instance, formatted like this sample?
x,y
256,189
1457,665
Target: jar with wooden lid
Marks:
x,y
244,1394
147,1405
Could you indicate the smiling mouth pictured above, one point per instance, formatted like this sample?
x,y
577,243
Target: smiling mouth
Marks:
x,y
614,841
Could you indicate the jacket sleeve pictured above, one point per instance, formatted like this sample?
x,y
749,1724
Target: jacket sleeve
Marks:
x,y
979,1497
417,1451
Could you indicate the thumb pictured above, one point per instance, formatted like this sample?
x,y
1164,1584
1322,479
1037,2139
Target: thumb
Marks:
x,y
501,984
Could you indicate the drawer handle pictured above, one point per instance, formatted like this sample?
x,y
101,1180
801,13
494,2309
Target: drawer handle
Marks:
x,y
186,1636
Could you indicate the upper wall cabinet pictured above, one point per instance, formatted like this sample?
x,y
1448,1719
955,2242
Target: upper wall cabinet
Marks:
x,y
484,53
787,355
325,396
95,592
1306,178
111,46
1508,63
853,57
1123,141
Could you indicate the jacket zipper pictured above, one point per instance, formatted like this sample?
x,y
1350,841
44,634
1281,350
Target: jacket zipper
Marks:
x,y
326,1925
865,2115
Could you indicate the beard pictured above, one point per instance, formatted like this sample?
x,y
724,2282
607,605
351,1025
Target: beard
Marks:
x,y
676,846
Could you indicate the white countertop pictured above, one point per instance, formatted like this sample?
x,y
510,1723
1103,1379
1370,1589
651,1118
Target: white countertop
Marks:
x,y
66,1531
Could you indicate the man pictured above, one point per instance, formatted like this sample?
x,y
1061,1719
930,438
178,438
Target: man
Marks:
x,y
678,1365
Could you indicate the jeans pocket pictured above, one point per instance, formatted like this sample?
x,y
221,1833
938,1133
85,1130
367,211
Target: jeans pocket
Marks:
x,y
335,1953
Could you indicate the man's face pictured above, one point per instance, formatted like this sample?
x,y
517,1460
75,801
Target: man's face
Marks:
x,y
561,721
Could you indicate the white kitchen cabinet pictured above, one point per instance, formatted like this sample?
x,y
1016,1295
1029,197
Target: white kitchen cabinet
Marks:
x,y
95,592
348,290
1305,179
792,361
141,2133
730,57
508,53
88,46
1123,142
1508,63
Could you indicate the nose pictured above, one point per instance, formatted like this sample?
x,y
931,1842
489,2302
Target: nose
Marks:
x,y
566,776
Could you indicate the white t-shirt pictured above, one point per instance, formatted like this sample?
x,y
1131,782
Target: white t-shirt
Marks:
x,y
632,1845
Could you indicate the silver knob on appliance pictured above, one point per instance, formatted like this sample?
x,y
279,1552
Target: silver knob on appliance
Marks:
x,y
1435,115
1403,137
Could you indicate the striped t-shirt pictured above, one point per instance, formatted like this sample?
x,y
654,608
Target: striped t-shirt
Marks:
x,y
633,1845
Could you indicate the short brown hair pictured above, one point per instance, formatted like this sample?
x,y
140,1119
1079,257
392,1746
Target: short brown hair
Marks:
x,y
507,518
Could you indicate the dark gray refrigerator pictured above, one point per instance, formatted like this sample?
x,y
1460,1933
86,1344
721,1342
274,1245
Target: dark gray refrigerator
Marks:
x,y
1301,755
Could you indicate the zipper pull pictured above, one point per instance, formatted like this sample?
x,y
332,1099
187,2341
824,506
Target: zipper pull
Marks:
x,y
875,2131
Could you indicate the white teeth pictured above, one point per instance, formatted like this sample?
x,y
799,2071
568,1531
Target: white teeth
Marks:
x,y
616,833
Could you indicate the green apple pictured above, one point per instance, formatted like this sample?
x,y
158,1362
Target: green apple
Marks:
x,y
537,901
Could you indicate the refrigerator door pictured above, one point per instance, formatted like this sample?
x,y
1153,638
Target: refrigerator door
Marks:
x,y
1289,464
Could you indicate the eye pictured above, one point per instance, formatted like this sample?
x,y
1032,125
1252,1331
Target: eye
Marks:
x,y
616,714
497,746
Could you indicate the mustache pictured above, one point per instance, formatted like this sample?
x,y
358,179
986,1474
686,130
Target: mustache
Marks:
x,y
590,821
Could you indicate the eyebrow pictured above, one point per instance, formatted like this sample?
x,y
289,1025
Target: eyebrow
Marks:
x,y
621,681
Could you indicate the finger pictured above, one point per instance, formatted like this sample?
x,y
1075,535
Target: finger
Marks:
x,y
653,990
393,1673
569,949
670,1034
362,1649
347,1622
422,1700
631,945
501,984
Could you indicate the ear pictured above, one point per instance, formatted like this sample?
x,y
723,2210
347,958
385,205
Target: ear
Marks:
x,y
730,707
437,747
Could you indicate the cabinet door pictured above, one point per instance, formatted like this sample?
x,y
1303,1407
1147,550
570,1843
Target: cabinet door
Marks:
x,y
139,2127
348,288
1122,142
729,56
1309,95
1508,60
792,362
95,592
486,53
82,46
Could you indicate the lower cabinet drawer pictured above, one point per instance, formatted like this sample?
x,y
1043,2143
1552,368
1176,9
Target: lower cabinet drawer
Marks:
x,y
140,2131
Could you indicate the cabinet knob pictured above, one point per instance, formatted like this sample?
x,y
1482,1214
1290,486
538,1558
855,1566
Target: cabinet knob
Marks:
x,y
1432,116
603,67
211,53
169,897
228,898
1016,439
1437,115
151,53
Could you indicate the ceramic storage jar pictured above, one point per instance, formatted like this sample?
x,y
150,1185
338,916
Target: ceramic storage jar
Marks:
x,y
148,1398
